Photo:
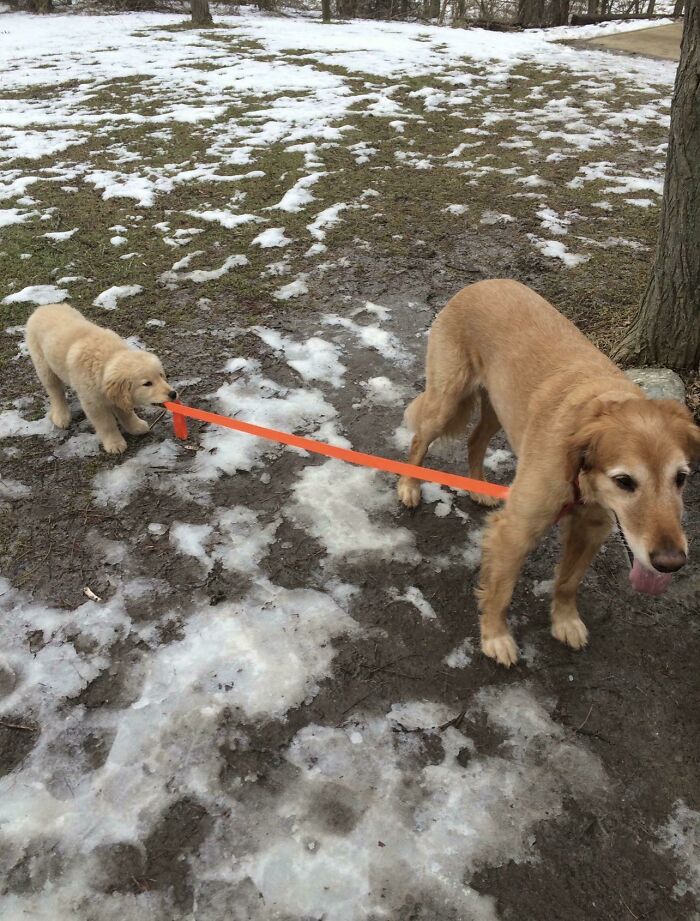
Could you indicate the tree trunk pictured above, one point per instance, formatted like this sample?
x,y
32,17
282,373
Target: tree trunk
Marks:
x,y
42,6
326,10
592,7
650,8
678,9
666,329
558,12
531,12
200,13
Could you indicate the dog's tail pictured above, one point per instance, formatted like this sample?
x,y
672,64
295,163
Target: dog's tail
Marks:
x,y
456,425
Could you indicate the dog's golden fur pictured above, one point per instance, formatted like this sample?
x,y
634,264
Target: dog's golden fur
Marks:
x,y
109,377
568,413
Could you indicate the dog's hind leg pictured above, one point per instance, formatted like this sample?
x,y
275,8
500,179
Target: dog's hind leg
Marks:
x,y
59,412
583,532
431,415
479,439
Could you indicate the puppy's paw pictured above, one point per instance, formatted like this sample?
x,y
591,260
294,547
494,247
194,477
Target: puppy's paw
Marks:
x,y
501,648
114,444
480,499
572,632
409,492
137,426
60,416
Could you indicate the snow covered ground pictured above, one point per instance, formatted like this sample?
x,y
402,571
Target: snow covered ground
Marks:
x,y
220,735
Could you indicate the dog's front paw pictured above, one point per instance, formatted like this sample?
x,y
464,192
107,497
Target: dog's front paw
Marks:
x,y
501,648
409,492
60,416
138,426
114,444
572,632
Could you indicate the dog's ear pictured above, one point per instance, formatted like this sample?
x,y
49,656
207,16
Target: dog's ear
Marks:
x,y
582,441
694,443
685,426
118,388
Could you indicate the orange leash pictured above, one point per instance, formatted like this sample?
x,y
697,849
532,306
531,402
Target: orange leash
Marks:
x,y
181,413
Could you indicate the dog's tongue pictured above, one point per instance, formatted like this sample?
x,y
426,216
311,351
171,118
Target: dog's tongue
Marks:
x,y
649,581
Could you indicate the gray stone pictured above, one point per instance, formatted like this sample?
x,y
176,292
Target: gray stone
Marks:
x,y
658,383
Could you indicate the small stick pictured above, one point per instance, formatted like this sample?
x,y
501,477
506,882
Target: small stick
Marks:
x,y
579,728
157,419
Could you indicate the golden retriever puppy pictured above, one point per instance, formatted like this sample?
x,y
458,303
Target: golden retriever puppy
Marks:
x,y
589,443
109,377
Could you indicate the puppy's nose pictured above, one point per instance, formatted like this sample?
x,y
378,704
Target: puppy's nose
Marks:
x,y
668,560
173,395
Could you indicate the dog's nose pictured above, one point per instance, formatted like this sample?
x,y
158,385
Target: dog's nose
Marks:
x,y
668,560
173,394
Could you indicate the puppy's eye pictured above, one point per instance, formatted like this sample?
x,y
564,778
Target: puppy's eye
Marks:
x,y
681,477
148,383
625,482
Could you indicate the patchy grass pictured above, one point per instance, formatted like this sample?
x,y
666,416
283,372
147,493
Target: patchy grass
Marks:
x,y
408,211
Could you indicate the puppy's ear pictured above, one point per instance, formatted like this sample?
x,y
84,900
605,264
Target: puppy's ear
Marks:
x,y
118,388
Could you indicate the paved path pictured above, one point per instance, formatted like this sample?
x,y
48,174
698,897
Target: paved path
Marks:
x,y
655,42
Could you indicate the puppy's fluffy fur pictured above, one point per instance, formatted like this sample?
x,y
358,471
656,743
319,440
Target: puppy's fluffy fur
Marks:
x,y
109,378
572,417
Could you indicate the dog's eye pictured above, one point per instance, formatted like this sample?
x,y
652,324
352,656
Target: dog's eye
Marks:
x,y
625,482
681,477
148,383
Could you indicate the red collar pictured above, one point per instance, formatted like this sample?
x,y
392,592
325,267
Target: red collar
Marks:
x,y
568,507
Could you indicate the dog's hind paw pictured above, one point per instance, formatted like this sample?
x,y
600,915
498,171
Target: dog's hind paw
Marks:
x,y
481,499
502,649
572,632
115,444
409,493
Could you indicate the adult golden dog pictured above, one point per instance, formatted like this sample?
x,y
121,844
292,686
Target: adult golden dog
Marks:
x,y
109,377
587,440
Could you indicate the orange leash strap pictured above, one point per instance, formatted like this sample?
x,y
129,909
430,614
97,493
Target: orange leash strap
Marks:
x,y
181,412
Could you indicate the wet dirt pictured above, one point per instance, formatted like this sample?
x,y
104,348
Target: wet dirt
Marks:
x,y
631,697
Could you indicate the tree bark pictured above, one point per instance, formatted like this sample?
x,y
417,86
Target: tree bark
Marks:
x,y
200,13
666,329
678,9
531,12
326,10
42,6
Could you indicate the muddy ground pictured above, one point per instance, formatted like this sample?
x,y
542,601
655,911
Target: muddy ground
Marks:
x,y
630,697
626,707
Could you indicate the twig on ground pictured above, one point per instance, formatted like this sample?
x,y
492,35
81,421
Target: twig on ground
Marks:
x,y
18,726
579,728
